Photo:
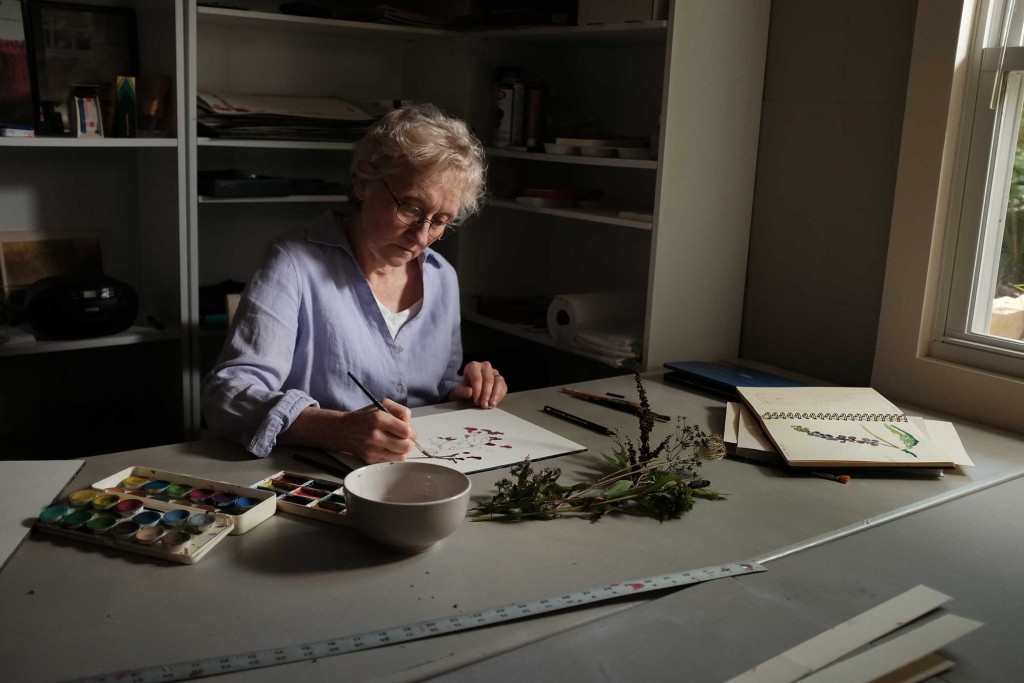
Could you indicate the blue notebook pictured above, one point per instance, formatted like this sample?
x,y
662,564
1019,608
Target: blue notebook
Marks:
x,y
722,379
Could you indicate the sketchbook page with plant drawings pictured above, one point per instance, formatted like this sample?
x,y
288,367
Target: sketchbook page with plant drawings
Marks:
x,y
841,426
475,440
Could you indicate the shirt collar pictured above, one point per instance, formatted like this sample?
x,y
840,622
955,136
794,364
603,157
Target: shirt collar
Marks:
x,y
326,230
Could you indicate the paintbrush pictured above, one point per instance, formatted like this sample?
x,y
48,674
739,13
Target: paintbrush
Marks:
x,y
612,402
841,478
380,406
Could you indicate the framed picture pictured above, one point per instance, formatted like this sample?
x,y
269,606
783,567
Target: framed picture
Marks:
x,y
16,104
80,45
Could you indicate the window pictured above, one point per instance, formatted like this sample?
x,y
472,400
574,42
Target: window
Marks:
x,y
918,331
980,320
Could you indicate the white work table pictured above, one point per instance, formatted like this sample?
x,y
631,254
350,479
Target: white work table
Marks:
x,y
76,610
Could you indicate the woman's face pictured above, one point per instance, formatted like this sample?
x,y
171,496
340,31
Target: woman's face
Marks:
x,y
387,239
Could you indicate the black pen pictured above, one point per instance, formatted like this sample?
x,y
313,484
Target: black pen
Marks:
x,y
380,406
593,426
342,470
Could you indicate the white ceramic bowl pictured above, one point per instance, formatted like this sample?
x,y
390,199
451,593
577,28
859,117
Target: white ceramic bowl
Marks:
x,y
407,505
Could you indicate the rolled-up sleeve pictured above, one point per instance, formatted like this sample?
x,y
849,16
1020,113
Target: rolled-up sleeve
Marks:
x,y
242,397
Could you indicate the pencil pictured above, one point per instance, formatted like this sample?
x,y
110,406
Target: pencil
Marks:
x,y
380,406
575,419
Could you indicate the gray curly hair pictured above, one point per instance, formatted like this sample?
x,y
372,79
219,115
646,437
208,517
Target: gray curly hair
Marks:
x,y
429,141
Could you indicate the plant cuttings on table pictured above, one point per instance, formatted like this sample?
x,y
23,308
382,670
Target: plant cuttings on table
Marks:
x,y
660,481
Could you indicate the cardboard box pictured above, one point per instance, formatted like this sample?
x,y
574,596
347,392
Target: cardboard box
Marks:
x,y
619,11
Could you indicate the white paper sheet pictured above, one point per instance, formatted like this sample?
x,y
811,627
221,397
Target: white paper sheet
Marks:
x,y
475,440
38,483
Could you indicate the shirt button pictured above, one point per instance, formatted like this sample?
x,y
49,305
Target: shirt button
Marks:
x,y
399,387
399,349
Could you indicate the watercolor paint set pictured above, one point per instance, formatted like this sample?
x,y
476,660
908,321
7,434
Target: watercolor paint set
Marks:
x,y
301,494
161,514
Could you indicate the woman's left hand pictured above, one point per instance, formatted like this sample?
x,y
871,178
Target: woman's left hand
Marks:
x,y
481,384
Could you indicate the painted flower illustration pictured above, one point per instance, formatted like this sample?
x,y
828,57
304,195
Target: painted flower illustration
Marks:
x,y
906,438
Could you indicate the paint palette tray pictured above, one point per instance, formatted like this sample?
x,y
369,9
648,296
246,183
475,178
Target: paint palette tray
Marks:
x,y
244,506
153,528
300,494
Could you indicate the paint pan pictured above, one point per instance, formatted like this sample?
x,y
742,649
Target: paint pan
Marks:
x,y
125,530
329,506
312,492
291,480
223,499
149,535
200,495
128,507
155,487
134,483
176,540
324,485
54,514
175,491
101,524
77,519
81,498
243,505
105,501
173,518
201,521
147,518
297,500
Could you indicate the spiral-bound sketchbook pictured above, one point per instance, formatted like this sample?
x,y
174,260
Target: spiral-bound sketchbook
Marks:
x,y
841,427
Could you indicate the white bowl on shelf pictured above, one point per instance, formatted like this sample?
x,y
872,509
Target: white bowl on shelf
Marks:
x,y
552,148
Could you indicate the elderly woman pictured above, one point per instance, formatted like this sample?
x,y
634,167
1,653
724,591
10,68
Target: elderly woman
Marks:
x,y
365,294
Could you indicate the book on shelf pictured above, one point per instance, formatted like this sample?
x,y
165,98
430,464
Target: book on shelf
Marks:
x,y
842,427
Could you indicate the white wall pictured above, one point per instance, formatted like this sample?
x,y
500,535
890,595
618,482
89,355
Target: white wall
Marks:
x,y
835,86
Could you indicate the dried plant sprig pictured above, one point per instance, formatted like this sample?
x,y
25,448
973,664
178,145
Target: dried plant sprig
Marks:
x,y
660,482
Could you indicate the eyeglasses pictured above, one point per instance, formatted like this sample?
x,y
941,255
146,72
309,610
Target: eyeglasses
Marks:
x,y
413,215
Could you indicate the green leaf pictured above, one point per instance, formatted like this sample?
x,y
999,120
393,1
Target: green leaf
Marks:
x,y
618,487
909,440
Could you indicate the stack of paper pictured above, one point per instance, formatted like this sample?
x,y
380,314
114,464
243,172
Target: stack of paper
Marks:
x,y
229,115
909,656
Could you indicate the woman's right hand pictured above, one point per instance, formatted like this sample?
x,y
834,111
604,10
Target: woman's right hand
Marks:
x,y
369,434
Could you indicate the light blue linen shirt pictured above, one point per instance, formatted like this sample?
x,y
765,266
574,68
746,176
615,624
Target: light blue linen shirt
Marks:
x,y
308,317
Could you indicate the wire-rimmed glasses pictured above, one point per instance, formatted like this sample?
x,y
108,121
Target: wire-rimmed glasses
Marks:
x,y
414,216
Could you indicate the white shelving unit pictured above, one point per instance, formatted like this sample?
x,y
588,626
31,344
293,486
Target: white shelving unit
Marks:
x,y
693,83
130,193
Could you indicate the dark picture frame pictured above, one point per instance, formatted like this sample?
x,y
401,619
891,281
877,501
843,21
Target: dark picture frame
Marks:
x,y
76,44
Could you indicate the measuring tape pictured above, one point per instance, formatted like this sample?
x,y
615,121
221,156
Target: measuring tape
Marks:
x,y
425,629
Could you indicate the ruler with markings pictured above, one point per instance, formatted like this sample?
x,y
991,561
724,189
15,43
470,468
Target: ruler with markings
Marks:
x,y
425,629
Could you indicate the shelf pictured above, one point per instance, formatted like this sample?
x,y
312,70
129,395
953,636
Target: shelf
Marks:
x,y
106,143
293,198
277,144
541,337
629,33
22,342
650,164
592,215
215,16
